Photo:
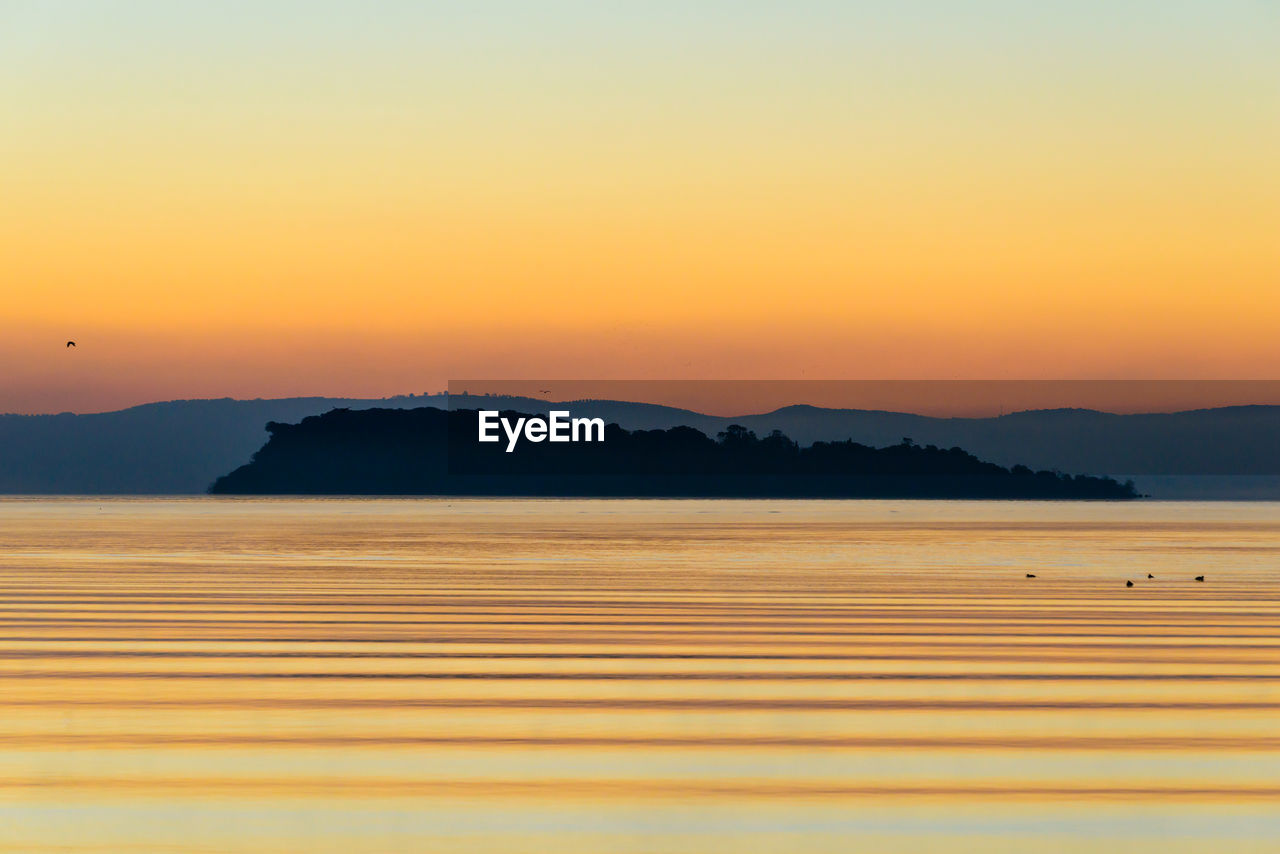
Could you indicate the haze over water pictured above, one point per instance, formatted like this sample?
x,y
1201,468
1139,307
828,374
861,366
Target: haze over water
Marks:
x,y
410,675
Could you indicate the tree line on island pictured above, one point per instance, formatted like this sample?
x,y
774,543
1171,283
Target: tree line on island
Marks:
x,y
430,451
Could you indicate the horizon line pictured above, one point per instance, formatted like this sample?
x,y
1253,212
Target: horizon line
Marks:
x,y
617,400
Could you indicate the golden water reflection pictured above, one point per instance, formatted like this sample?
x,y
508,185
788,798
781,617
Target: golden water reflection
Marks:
x,y
432,675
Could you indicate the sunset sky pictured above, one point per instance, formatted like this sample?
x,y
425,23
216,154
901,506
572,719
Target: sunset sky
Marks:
x,y
283,198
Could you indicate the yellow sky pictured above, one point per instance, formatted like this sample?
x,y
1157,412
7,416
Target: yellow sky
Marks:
x,y
316,200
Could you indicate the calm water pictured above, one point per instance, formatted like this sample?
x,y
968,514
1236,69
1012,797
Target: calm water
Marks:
x,y
231,675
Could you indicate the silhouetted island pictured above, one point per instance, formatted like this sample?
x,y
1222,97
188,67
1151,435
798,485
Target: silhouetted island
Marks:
x,y
430,451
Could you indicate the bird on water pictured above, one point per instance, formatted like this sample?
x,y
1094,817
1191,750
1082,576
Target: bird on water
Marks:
x,y
1128,584
1149,575
1030,575
1199,578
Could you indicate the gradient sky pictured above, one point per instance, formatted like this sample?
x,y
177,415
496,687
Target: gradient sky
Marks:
x,y
280,198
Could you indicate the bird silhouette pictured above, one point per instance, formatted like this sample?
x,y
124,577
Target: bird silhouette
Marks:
x,y
71,343
1128,584
1030,575
1199,578
1149,575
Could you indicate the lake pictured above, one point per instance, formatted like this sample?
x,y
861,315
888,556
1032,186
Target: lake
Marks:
x,y
315,675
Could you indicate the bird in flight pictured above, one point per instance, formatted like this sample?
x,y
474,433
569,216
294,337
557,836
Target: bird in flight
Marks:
x,y
71,343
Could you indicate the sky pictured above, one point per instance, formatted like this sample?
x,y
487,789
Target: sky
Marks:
x,y
262,199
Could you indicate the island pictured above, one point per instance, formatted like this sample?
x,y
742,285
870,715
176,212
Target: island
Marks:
x,y
431,451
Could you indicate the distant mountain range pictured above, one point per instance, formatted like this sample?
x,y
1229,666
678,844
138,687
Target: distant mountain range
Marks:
x,y
171,448
180,447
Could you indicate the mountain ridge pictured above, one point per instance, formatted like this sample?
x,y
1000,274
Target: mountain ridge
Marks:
x,y
180,446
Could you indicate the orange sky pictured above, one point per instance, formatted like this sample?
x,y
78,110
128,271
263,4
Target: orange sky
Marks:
x,y
313,200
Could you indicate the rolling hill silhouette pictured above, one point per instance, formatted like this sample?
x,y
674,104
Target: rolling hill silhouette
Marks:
x,y
179,447
171,448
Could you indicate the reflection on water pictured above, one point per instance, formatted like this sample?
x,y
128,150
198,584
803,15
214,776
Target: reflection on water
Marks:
x,y
276,675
